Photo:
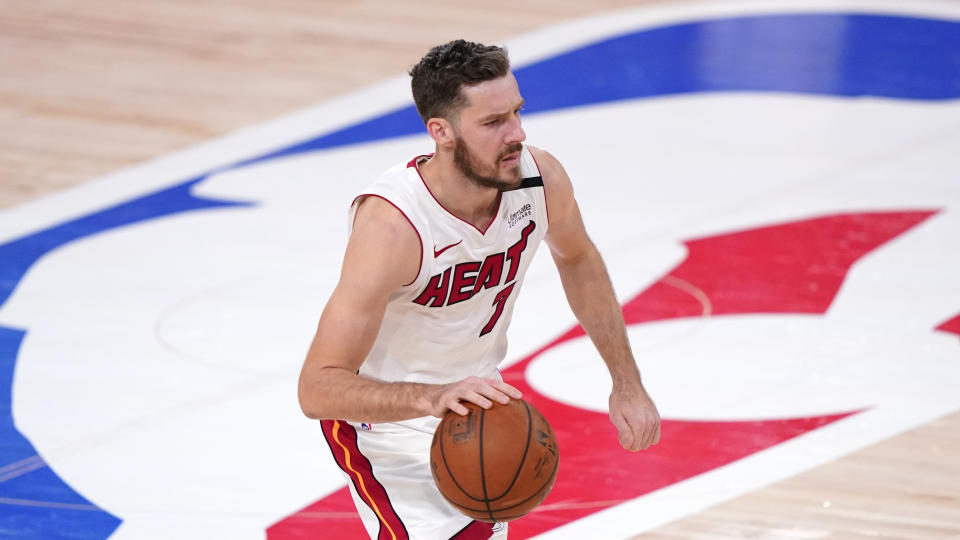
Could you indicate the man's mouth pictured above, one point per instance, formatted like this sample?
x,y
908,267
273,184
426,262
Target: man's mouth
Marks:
x,y
511,160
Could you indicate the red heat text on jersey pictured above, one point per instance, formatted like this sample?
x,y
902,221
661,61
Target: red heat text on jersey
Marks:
x,y
461,282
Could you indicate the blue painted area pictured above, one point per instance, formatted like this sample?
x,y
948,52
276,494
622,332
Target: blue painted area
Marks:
x,y
826,54
13,447
835,54
25,476
838,55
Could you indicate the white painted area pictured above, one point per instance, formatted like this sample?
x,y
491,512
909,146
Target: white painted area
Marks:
x,y
756,367
689,167
180,380
159,373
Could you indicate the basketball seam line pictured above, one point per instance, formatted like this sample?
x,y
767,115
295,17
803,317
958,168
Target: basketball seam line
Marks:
x,y
483,472
487,501
523,459
453,477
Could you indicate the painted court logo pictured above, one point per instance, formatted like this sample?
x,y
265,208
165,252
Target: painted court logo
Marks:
x,y
771,296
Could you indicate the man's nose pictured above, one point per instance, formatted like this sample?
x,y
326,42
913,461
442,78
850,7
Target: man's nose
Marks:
x,y
515,134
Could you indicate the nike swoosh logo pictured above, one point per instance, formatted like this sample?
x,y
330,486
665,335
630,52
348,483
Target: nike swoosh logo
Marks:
x,y
437,252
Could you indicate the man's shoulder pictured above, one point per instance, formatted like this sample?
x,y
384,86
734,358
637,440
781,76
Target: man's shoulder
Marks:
x,y
399,169
397,184
385,227
400,174
551,171
546,162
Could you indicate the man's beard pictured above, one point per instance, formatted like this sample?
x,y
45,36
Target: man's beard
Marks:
x,y
473,168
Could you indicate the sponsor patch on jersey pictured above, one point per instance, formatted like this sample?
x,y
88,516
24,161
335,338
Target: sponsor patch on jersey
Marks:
x,y
515,217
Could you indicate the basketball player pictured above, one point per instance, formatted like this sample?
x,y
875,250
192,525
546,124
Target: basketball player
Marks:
x,y
417,323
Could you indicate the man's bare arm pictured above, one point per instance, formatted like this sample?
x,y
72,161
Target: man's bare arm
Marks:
x,y
592,299
383,254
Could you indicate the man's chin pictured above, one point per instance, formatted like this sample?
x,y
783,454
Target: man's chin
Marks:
x,y
507,179
514,177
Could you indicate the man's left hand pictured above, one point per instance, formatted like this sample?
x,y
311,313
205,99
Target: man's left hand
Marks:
x,y
636,418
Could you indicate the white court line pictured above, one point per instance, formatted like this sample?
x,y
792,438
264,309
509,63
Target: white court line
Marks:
x,y
46,504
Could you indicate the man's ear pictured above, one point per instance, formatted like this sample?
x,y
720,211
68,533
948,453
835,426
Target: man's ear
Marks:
x,y
441,131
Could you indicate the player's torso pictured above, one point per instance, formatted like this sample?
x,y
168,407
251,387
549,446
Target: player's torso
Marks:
x,y
451,321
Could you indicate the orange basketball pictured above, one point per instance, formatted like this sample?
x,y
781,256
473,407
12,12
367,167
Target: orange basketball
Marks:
x,y
494,464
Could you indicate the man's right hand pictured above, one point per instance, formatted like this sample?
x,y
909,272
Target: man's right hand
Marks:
x,y
482,392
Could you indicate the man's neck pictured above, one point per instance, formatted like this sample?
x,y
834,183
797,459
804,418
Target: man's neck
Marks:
x,y
459,195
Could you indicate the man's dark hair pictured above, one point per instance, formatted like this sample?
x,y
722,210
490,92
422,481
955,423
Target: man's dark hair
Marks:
x,y
441,73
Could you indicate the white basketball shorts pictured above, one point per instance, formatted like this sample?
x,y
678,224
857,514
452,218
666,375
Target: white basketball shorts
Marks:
x,y
387,467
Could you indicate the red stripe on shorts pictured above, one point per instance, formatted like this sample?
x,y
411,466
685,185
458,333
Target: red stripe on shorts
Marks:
x,y
476,530
342,438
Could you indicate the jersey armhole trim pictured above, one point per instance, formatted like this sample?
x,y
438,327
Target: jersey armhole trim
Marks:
x,y
546,205
405,216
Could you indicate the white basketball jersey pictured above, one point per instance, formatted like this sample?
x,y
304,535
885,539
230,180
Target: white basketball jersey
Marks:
x,y
451,321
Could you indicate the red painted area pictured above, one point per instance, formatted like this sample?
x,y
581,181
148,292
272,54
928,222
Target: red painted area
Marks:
x,y
952,326
596,473
333,516
790,268
795,267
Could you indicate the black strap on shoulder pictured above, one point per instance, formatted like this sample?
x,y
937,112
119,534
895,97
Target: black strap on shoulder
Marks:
x,y
533,181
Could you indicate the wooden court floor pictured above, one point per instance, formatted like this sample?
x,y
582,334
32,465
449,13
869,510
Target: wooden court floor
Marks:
x,y
89,88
